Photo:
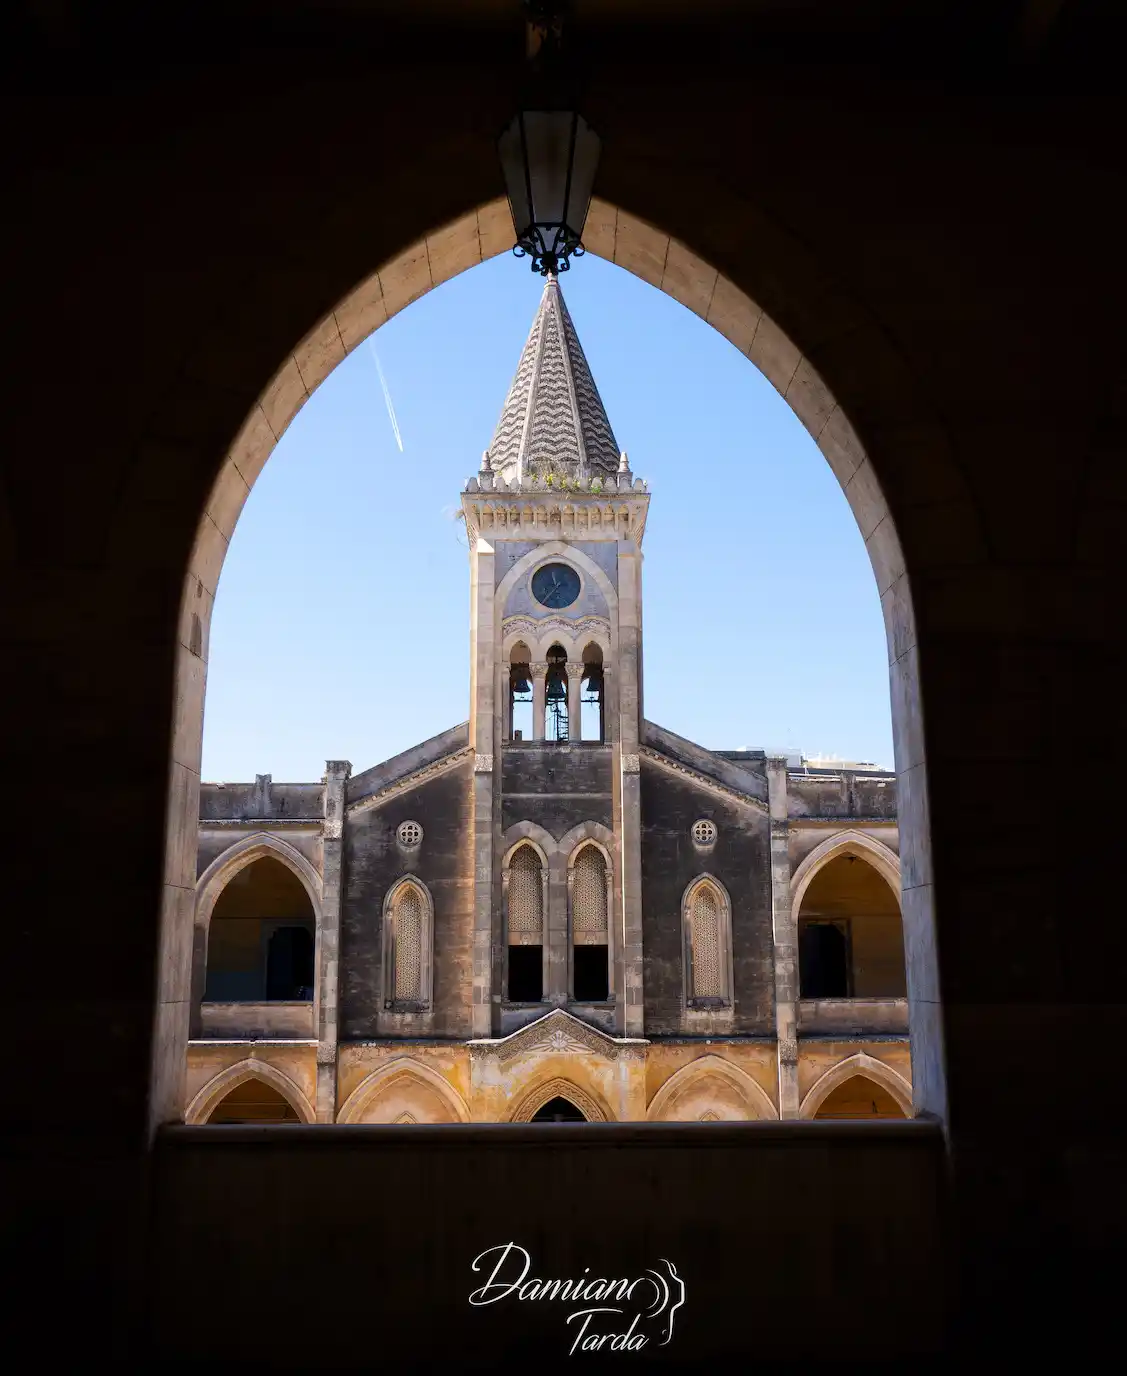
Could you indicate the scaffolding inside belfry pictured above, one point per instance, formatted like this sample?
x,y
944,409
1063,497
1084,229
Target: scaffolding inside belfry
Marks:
x,y
555,696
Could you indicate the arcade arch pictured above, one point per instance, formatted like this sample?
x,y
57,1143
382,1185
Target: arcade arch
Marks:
x,y
672,267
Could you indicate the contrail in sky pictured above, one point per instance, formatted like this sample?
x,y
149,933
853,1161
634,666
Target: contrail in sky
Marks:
x,y
387,396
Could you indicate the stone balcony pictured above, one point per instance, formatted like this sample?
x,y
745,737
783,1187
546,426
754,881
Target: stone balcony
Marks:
x,y
273,1020
852,1017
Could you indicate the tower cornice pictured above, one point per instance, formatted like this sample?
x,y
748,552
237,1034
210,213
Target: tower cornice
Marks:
x,y
532,511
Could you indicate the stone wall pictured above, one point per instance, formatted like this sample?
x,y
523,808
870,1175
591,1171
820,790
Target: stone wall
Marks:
x,y
670,861
373,861
558,786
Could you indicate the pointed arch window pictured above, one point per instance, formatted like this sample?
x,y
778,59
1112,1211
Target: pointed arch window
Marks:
x,y
520,722
591,694
555,696
706,917
407,947
589,898
525,894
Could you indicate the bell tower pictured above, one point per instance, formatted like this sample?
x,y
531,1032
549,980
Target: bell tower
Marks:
x,y
555,520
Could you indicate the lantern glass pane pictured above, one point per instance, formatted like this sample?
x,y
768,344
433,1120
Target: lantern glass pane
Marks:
x,y
510,148
586,162
548,135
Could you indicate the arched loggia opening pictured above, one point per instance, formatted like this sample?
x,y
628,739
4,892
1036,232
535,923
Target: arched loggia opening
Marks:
x,y
555,696
591,695
850,938
674,268
520,723
254,1101
261,938
859,1097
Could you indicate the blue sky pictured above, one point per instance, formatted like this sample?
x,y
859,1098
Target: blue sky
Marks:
x,y
341,626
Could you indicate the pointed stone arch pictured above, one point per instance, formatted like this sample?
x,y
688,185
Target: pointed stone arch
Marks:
x,y
217,1089
401,1068
236,858
867,1068
885,861
593,1107
756,1098
675,268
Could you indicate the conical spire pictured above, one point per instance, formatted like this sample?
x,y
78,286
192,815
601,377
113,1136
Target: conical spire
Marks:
x,y
553,413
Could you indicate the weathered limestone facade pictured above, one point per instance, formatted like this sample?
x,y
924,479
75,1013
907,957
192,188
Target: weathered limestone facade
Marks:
x,y
557,907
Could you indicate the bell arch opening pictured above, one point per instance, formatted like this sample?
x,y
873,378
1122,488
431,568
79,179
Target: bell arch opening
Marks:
x,y
675,269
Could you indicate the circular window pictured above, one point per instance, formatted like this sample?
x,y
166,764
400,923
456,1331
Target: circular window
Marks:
x,y
555,585
704,832
409,834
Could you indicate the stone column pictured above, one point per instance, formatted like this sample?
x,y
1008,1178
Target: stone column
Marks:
x,y
483,677
785,939
574,682
631,1018
539,672
328,937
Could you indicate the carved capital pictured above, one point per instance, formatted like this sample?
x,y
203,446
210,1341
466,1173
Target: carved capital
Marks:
x,y
575,671
483,764
539,668
631,764
333,829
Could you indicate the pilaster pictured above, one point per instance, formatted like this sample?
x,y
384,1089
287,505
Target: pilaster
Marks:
x,y
337,773
785,939
482,708
631,1018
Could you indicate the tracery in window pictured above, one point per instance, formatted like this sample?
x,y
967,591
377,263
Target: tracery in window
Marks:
x,y
706,915
408,922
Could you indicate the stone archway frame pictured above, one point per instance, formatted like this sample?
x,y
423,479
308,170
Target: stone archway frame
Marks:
x,y
400,1068
591,1105
217,1089
674,268
862,1065
756,1098
885,861
244,853
210,885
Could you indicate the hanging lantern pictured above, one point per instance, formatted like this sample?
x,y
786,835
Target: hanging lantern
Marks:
x,y
549,153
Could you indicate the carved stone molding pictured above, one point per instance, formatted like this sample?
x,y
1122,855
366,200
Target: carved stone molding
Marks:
x,y
410,781
676,767
556,1034
538,627
334,829
631,764
788,1050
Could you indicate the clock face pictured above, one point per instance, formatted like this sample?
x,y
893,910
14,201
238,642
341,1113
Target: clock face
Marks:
x,y
555,586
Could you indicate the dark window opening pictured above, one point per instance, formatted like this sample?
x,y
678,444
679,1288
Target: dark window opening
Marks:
x,y
526,974
591,974
289,964
823,960
558,1110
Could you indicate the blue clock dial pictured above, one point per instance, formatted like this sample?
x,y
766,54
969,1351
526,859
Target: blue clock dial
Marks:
x,y
555,586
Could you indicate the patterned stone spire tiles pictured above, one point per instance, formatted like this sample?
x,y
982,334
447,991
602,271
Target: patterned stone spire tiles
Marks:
x,y
553,413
